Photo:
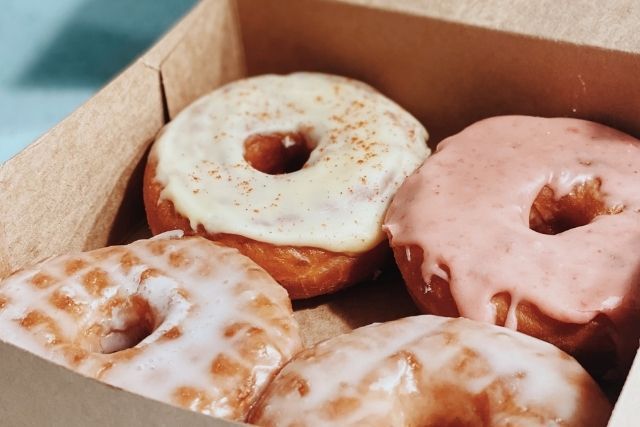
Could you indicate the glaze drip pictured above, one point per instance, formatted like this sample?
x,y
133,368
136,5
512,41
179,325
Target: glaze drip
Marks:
x,y
469,208
364,145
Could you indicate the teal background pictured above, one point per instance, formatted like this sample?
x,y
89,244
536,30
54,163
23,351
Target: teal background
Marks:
x,y
55,54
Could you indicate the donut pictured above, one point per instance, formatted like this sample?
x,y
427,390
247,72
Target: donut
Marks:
x,y
294,171
532,223
432,371
183,321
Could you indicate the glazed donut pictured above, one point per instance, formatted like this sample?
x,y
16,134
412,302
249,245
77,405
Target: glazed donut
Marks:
x,y
183,321
432,371
294,171
532,223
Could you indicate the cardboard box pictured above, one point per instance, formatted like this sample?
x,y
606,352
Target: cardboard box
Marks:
x,y
450,63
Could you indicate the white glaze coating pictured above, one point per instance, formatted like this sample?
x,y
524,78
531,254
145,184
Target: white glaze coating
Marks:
x,y
421,370
365,146
221,325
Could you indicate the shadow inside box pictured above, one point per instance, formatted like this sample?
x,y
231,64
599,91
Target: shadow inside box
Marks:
x,y
99,40
380,300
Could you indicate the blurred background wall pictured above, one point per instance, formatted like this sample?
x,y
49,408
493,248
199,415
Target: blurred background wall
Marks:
x,y
55,54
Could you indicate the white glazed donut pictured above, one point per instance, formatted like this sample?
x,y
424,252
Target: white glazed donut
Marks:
x,y
432,371
184,321
362,146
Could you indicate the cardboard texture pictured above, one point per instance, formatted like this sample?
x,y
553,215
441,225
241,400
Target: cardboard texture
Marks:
x,y
63,194
584,22
449,63
446,73
37,393
203,52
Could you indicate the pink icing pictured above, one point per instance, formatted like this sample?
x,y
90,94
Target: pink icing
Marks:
x,y
468,207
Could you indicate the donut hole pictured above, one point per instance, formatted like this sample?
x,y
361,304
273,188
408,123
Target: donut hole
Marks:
x,y
551,215
135,321
277,153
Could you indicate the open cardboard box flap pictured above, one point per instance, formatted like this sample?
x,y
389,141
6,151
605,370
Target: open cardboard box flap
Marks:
x,y
449,63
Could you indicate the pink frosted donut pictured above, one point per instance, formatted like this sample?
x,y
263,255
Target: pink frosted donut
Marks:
x,y
184,321
533,223
432,371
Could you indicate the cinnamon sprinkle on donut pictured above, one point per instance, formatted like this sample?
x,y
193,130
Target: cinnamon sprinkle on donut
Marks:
x,y
258,163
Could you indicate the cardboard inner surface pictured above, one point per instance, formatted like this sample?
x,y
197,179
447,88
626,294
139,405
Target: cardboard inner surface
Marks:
x,y
447,74
78,187
381,300
67,191
580,22
38,393
205,51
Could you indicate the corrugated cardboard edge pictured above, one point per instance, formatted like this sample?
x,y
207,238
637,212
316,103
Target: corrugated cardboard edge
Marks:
x,y
5,262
